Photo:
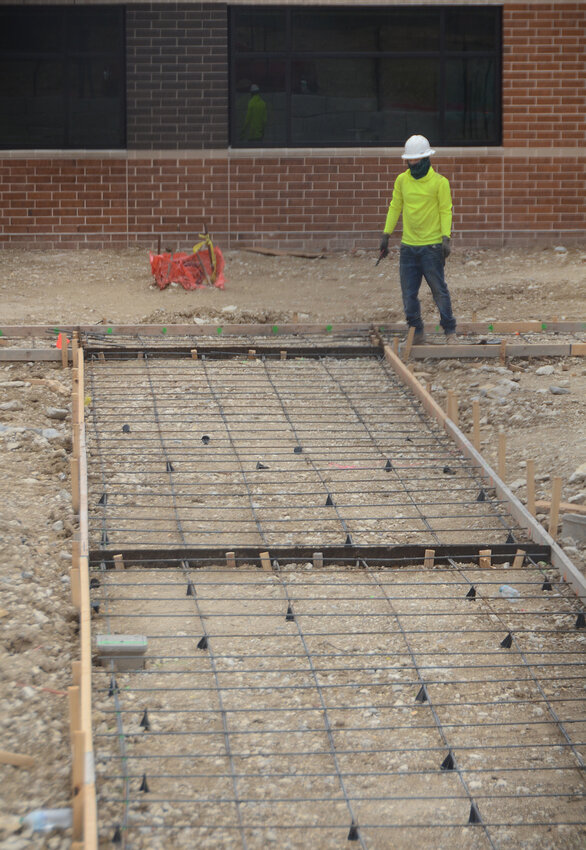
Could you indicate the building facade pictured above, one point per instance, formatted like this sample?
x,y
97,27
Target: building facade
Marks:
x,y
127,122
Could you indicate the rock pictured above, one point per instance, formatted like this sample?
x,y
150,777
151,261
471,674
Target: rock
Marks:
x,y
517,484
578,474
578,499
558,390
545,370
58,526
559,249
56,413
11,405
51,434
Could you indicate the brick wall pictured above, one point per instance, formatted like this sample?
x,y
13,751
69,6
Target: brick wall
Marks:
x,y
178,173
177,76
544,74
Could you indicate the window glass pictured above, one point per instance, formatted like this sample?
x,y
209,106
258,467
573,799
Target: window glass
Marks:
x,y
62,77
470,103
410,29
470,29
261,31
334,31
23,32
370,75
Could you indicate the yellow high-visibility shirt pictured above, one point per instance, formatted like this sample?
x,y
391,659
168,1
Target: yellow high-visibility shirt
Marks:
x,y
426,205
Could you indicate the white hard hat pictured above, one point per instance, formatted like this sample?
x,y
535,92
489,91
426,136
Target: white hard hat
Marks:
x,y
416,147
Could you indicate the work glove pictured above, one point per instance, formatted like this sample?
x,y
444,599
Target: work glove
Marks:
x,y
446,246
384,245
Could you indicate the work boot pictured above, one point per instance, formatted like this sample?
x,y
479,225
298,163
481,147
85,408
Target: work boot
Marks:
x,y
451,339
419,338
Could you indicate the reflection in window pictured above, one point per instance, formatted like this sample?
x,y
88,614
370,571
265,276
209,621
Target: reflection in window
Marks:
x,y
371,76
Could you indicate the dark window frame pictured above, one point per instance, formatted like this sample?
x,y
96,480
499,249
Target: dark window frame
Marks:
x,y
442,54
67,55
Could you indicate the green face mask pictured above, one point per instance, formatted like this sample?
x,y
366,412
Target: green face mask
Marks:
x,y
420,168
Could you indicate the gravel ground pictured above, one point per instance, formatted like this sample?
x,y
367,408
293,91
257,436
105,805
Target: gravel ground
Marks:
x,y
38,634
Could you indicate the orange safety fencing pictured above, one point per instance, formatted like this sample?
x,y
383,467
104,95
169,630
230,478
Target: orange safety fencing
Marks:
x,y
192,271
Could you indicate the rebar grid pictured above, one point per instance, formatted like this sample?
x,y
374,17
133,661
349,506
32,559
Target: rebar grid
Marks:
x,y
315,452
328,704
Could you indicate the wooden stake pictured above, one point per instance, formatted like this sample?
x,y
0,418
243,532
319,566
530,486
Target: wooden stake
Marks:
x,y
429,559
16,759
531,487
252,353
77,763
78,818
75,484
318,560
428,387
519,559
502,460
118,562
231,560
74,710
452,410
74,347
75,551
474,319
139,355
64,352
484,558
194,353
76,672
74,578
283,354
396,344
409,343
556,495
476,425
265,560
295,318
101,356
503,352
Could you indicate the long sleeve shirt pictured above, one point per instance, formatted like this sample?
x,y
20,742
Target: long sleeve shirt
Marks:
x,y
426,205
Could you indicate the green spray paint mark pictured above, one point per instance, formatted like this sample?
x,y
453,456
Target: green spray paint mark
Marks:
x,y
1,332
163,330
275,329
491,327
219,331
543,326
437,327
329,328
109,331
56,331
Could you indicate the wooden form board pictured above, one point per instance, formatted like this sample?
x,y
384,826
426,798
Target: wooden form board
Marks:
x,y
417,352
85,806
559,559
275,329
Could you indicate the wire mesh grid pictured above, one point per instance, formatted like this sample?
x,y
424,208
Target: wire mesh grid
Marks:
x,y
311,452
303,707
304,704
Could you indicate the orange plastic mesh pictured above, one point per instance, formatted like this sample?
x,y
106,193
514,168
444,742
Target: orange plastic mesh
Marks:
x,y
186,270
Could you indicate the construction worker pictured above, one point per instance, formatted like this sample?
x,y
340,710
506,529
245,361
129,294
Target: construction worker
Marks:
x,y
423,198
256,117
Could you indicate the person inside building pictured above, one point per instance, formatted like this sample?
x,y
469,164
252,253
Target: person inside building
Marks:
x,y
424,200
256,117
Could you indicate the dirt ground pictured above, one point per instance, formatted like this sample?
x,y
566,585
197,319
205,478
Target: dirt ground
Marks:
x,y
37,621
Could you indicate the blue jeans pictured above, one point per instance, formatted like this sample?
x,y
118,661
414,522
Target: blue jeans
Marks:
x,y
424,261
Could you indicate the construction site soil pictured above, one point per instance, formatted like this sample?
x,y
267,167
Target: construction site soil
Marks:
x,y
542,412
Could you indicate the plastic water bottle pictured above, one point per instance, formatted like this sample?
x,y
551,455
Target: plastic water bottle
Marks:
x,y
44,820
508,592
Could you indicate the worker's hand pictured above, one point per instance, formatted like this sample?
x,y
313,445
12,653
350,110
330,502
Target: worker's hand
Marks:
x,y
384,245
446,246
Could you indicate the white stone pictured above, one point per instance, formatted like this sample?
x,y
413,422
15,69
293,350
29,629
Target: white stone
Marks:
x,y
545,370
